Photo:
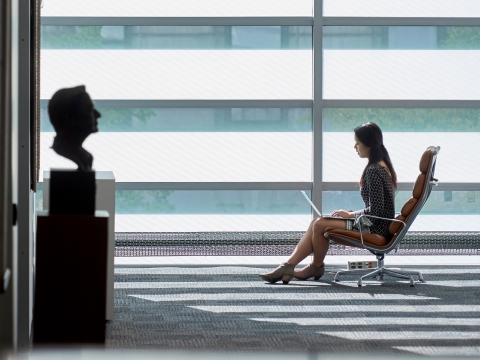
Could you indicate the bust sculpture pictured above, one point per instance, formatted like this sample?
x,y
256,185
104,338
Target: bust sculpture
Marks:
x,y
74,118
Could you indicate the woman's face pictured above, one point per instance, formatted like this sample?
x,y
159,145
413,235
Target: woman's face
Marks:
x,y
361,149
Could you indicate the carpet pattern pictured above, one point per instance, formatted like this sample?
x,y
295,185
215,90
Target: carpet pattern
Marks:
x,y
232,309
280,243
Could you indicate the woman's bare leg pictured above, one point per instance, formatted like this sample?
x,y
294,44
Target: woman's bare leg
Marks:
x,y
304,246
314,241
320,242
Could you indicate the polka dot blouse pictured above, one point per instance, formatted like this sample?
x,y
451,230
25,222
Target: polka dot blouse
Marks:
x,y
378,194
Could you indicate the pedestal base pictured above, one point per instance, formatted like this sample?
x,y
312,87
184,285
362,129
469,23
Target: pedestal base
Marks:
x,y
71,273
72,192
104,200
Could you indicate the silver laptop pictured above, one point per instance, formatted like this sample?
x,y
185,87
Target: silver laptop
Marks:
x,y
317,211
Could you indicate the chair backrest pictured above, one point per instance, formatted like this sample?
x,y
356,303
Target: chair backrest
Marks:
x,y
420,193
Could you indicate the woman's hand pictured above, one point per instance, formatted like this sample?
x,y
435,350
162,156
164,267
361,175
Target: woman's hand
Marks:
x,y
343,213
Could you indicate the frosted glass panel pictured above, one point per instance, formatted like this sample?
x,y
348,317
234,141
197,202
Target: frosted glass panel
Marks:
x,y
402,74
176,37
402,8
177,8
170,157
210,222
180,74
457,161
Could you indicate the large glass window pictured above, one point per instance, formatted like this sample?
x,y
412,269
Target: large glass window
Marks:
x,y
220,93
128,70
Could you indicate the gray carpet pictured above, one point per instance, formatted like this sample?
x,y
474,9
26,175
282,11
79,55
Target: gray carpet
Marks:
x,y
230,308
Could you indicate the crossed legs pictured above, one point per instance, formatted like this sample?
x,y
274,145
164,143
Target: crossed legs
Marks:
x,y
314,242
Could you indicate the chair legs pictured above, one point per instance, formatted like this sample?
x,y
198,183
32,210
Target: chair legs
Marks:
x,y
381,271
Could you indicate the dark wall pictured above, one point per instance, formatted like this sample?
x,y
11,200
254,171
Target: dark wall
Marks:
x,y
8,167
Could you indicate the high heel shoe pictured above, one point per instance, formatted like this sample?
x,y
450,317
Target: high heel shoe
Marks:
x,y
283,272
310,271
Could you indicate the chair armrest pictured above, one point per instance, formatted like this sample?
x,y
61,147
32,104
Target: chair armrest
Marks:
x,y
382,218
376,217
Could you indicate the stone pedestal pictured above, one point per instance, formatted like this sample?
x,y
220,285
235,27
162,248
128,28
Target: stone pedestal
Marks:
x,y
105,200
71,192
70,278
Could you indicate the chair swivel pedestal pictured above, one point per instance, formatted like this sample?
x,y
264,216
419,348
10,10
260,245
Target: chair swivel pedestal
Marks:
x,y
381,245
381,271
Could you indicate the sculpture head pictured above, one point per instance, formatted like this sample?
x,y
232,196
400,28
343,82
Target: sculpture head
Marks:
x,y
72,111
73,117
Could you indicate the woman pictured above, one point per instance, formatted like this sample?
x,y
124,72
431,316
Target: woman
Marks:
x,y
377,187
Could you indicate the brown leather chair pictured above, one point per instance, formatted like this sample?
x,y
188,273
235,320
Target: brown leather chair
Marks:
x,y
379,245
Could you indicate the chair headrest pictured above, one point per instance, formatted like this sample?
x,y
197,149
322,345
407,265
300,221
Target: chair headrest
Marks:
x,y
426,158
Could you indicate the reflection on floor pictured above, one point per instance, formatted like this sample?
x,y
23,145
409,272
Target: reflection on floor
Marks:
x,y
230,308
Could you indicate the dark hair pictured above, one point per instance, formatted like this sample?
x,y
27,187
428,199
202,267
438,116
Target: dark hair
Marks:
x,y
370,135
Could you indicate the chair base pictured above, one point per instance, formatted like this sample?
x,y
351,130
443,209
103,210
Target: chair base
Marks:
x,y
381,271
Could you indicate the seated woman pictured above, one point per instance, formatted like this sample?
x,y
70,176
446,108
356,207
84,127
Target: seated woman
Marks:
x,y
377,188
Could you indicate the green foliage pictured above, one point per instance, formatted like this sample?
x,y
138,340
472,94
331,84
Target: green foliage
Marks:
x,y
305,121
404,120
120,119
73,37
143,202
465,38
